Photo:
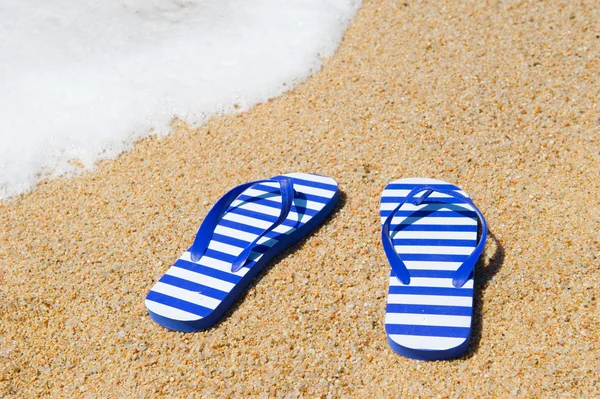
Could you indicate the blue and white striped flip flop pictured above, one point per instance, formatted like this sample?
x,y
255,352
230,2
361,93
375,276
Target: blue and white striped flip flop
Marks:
x,y
429,234
243,231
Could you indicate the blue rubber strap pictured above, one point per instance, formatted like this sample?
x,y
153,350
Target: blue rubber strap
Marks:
x,y
464,271
206,230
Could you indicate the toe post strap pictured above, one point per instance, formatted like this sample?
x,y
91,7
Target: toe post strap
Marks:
x,y
206,230
462,274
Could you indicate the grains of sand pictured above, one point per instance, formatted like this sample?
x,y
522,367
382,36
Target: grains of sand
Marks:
x,y
498,97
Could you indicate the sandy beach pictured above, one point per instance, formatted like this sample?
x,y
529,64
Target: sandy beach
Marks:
x,y
497,97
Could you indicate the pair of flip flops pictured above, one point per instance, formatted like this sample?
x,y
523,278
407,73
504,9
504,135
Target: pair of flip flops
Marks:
x,y
429,234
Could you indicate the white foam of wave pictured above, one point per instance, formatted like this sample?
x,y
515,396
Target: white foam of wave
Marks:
x,y
81,80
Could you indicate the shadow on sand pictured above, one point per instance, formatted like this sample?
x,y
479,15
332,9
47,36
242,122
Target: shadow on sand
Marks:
x,y
485,270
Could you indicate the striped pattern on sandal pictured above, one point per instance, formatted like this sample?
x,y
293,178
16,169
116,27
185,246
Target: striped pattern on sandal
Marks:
x,y
192,295
430,317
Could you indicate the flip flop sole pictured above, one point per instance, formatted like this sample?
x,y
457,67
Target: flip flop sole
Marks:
x,y
192,296
429,318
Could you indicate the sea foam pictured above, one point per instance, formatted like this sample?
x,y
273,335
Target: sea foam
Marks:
x,y
81,80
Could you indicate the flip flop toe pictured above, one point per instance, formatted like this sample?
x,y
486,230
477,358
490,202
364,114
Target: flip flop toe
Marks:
x,y
430,237
243,231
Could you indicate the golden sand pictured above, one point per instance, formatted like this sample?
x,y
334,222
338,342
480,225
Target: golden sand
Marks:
x,y
497,97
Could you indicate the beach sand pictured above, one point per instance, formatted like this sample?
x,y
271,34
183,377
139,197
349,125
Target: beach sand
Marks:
x,y
498,97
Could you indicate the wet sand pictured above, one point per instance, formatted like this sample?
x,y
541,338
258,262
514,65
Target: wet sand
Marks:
x,y
497,97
